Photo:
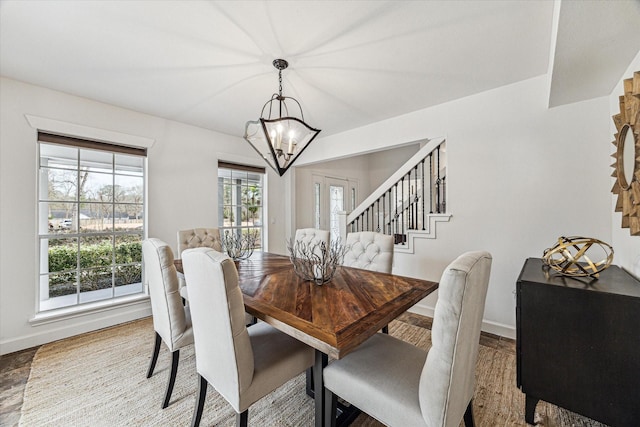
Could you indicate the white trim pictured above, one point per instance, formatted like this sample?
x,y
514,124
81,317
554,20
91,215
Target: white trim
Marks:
x,y
81,131
487,325
71,312
428,233
133,311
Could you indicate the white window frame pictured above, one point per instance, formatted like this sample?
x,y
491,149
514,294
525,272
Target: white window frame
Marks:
x,y
241,169
138,292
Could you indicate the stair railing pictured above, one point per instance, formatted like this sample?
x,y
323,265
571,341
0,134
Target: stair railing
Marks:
x,y
403,201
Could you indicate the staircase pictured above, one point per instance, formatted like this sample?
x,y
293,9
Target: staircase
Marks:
x,y
409,203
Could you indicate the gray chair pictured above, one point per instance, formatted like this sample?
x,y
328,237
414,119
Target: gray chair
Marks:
x,y
402,385
242,364
171,320
197,238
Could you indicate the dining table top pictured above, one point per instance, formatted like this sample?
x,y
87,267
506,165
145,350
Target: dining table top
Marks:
x,y
335,317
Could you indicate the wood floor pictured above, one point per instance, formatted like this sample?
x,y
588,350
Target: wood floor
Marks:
x,y
14,373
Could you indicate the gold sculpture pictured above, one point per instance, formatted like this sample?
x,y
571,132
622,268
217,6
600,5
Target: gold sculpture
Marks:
x,y
569,256
627,155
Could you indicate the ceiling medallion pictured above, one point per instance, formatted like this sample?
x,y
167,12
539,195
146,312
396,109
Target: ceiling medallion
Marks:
x,y
279,140
627,155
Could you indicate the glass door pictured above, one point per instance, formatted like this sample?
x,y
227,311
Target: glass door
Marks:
x,y
337,191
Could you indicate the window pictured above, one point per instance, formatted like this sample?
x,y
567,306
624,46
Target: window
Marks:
x,y
91,221
240,200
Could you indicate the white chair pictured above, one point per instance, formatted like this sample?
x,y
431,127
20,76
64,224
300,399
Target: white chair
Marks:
x,y
311,236
201,238
308,237
242,364
370,251
197,238
171,320
402,385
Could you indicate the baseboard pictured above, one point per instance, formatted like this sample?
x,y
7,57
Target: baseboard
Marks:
x,y
77,327
488,326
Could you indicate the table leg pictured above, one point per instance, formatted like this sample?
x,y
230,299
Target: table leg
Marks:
x,y
318,384
530,409
309,382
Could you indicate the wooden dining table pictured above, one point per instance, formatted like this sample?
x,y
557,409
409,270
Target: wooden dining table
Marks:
x,y
333,318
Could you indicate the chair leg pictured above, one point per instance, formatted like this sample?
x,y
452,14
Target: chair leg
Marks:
x,y
330,402
468,415
242,419
175,358
385,329
154,357
202,394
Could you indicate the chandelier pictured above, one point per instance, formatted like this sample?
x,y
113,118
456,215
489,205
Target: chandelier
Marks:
x,y
279,140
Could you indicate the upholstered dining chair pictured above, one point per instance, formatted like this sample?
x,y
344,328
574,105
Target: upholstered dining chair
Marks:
x,y
242,364
370,251
201,238
402,385
311,236
171,319
197,238
307,237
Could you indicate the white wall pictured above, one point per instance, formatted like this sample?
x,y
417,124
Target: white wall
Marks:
x,y
519,175
182,193
626,247
383,164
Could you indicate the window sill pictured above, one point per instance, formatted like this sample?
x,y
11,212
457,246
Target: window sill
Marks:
x,y
87,309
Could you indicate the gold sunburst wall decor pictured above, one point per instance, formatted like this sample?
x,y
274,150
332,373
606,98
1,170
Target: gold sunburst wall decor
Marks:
x,y
627,155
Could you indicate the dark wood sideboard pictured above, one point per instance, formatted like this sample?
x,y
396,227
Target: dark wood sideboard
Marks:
x,y
578,343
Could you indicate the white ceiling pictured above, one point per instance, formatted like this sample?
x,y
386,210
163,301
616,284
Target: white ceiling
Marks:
x,y
208,63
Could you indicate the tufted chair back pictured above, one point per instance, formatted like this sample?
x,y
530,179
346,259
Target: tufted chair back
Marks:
x,y
448,375
199,238
312,235
171,319
369,251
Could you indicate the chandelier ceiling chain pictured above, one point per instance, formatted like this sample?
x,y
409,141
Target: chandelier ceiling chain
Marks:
x,y
281,140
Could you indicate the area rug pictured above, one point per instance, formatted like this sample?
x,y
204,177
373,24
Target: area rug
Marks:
x,y
99,379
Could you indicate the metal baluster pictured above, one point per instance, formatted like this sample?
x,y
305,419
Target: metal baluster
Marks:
x,y
371,228
409,206
395,215
366,215
383,219
390,217
438,180
402,211
378,215
444,194
423,195
431,182
415,197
